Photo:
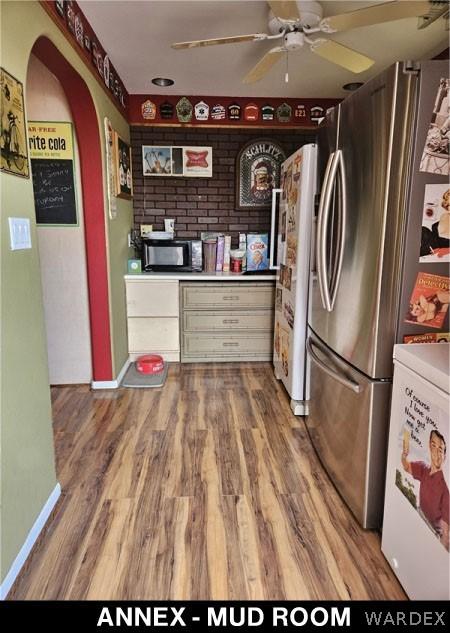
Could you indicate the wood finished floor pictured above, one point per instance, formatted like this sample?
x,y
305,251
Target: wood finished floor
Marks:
x,y
206,489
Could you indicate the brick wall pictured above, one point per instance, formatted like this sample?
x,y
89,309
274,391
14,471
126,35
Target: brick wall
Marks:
x,y
201,204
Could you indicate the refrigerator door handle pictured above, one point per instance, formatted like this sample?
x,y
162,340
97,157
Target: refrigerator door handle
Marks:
x,y
272,263
322,222
343,380
342,223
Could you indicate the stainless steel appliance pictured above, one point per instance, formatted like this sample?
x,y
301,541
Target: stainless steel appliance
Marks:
x,y
166,255
376,159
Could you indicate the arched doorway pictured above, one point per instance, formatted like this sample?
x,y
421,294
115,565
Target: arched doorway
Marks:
x,y
87,130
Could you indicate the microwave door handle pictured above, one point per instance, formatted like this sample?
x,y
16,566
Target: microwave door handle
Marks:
x,y
342,223
340,378
322,229
272,263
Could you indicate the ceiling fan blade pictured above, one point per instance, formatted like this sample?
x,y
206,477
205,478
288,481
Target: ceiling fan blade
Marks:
x,y
220,40
284,9
341,55
386,12
264,65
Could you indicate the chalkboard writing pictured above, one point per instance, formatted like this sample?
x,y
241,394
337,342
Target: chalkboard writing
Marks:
x,y
54,191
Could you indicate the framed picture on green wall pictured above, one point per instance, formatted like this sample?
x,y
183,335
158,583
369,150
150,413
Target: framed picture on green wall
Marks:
x,y
122,164
13,138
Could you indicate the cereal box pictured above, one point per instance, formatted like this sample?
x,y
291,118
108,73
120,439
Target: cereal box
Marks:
x,y
257,251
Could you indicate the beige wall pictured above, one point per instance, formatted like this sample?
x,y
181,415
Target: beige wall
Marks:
x,y
27,467
62,252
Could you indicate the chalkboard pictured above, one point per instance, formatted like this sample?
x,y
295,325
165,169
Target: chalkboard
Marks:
x,y
54,191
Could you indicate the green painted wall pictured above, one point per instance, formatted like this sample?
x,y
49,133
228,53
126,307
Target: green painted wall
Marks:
x,y
27,464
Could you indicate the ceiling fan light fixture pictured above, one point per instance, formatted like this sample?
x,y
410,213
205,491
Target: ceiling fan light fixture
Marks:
x,y
162,81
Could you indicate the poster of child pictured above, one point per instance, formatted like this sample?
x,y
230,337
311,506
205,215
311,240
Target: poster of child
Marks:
x,y
429,301
435,239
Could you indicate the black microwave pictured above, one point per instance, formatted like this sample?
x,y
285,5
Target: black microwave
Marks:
x,y
166,255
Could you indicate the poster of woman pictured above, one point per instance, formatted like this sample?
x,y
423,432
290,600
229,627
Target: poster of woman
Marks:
x,y
429,301
13,138
435,238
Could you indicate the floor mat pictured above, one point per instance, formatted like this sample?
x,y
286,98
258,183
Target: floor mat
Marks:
x,y
134,378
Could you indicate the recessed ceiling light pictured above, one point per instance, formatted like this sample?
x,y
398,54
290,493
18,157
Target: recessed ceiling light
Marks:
x,y
353,86
162,81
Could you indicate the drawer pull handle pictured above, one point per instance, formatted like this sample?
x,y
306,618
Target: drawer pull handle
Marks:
x,y
230,321
231,298
230,344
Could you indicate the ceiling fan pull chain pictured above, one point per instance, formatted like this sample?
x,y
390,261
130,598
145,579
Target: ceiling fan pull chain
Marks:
x,y
286,76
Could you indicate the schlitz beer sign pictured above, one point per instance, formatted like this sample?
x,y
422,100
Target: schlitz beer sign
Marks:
x,y
258,172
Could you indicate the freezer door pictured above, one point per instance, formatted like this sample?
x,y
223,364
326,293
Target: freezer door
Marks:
x,y
291,303
348,423
361,224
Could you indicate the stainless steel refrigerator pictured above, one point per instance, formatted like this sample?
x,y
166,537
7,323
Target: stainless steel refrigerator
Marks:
x,y
295,216
381,262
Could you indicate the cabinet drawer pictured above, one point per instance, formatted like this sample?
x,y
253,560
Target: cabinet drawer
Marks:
x,y
217,346
152,298
233,295
226,320
151,334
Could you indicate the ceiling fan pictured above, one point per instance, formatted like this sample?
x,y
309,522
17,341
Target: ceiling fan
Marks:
x,y
293,22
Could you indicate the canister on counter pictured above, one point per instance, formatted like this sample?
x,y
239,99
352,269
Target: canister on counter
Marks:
x,y
243,247
237,257
197,255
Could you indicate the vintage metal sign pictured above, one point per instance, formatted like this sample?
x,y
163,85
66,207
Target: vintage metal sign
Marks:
x,y
258,172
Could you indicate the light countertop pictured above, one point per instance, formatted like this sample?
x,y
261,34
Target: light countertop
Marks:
x,y
202,276
429,360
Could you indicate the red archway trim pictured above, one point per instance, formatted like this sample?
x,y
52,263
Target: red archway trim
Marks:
x,y
88,137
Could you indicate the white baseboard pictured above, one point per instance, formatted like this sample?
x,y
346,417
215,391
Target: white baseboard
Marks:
x,y
29,542
111,384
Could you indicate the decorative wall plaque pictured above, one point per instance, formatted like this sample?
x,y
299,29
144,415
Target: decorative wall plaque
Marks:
x,y
284,113
184,110
257,173
148,110
201,110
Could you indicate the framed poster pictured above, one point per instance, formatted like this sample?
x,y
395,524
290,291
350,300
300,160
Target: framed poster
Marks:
x,y
257,173
122,166
156,160
52,169
164,160
110,172
197,162
13,139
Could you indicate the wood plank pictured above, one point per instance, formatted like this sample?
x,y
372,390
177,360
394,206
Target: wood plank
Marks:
x,y
208,488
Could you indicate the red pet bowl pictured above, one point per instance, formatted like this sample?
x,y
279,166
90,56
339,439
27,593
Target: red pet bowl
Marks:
x,y
150,364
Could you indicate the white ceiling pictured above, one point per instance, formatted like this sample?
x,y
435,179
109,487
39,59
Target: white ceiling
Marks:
x,y
137,36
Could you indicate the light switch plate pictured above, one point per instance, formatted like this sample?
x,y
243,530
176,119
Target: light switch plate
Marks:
x,y
19,233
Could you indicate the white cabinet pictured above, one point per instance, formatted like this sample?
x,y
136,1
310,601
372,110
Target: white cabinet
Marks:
x,y
153,318
153,298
